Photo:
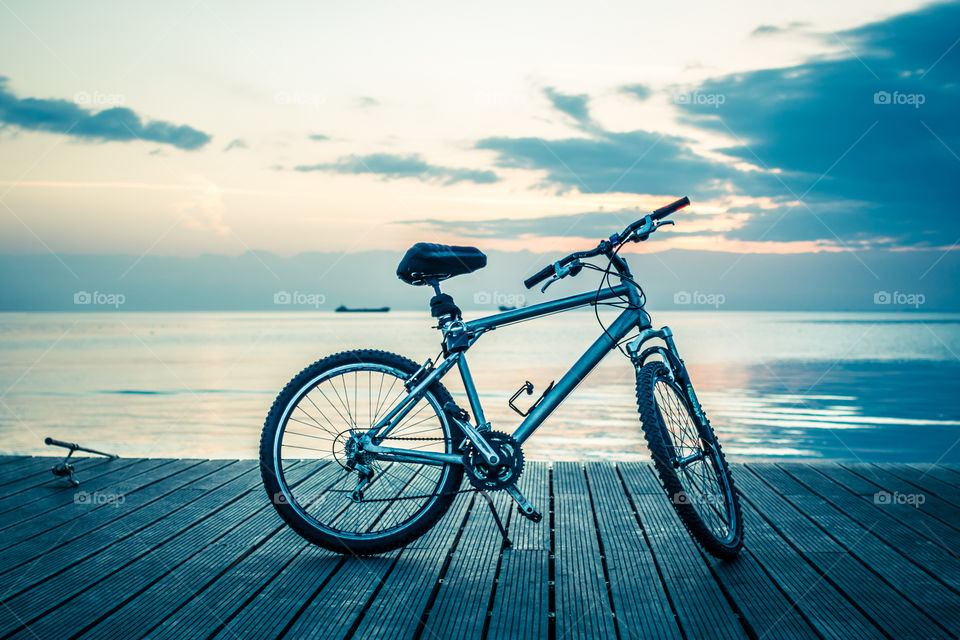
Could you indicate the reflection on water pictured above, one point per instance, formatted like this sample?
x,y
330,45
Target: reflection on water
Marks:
x,y
775,385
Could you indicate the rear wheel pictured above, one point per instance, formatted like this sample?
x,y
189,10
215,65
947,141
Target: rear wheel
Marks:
x,y
688,459
317,418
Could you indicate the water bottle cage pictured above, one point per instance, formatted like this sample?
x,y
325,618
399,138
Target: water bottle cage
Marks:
x,y
528,387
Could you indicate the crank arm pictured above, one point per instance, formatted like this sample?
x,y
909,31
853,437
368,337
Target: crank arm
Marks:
x,y
476,437
523,505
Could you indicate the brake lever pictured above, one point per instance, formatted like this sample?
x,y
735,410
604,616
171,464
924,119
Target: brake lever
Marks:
x,y
644,232
560,272
548,283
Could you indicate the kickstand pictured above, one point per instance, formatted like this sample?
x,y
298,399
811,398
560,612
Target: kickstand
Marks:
x,y
496,518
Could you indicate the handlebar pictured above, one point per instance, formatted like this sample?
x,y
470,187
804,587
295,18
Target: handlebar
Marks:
x,y
539,276
606,246
663,212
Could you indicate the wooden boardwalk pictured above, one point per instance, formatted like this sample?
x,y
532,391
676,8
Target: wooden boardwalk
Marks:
x,y
193,549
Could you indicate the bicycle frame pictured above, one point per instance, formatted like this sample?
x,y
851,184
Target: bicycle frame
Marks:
x,y
634,317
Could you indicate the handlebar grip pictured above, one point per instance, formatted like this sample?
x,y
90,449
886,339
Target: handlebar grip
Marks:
x,y
539,277
663,212
60,443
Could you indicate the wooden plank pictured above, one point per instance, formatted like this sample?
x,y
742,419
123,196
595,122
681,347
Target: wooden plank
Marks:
x,y
824,607
141,611
280,600
336,607
926,481
396,609
521,605
459,609
30,472
642,606
333,610
198,549
688,581
117,548
934,559
950,479
848,553
24,466
133,564
907,514
240,586
949,466
32,503
920,587
22,499
768,607
87,533
213,606
900,490
69,512
583,607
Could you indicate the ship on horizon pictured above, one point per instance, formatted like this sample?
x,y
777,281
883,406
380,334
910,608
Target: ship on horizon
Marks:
x,y
346,309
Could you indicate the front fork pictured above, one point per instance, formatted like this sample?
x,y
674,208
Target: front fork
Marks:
x,y
678,372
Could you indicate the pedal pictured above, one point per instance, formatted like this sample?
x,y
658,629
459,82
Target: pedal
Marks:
x,y
523,505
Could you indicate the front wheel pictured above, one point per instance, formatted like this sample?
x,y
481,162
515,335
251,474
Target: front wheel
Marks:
x,y
312,433
688,459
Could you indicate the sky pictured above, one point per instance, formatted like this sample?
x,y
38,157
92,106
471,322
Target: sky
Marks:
x,y
183,129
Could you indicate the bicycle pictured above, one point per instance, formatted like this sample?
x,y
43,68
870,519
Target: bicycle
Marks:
x,y
387,447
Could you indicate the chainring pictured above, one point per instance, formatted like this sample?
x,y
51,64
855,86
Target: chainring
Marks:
x,y
492,478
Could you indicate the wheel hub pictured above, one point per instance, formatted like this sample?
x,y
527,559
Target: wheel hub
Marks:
x,y
354,453
488,477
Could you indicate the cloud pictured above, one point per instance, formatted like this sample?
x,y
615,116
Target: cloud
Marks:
x,y
393,167
770,29
115,124
591,224
236,143
575,106
366,102
319,137
870,141
638,91
626,162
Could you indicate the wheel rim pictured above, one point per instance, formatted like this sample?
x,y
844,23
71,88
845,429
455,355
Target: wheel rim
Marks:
x,y
695,460
317,425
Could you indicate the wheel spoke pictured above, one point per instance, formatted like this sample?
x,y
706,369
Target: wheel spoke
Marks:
x,y
705,489
398,492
